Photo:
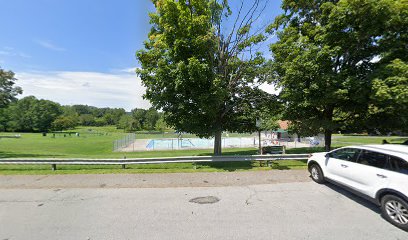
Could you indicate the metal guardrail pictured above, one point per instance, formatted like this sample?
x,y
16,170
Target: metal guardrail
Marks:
x,y
131,161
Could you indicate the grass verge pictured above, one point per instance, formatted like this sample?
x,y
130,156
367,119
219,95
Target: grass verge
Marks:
x,y
151,168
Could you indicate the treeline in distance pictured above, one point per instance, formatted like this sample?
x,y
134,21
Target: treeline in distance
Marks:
x,y
30,114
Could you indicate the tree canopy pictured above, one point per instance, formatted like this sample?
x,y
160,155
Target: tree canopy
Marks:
x,y
32,115
326,56
388,109
205,78
8,91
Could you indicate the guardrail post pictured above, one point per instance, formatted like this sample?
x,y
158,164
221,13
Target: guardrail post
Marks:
x,y
124,165
54,167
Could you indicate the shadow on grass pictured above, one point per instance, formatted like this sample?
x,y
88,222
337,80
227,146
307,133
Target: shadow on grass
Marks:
x,y
277,165
27,155
288,164
305,150
231,153
16,169
228,166
399,140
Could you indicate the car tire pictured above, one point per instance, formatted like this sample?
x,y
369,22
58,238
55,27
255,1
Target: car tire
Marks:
x,y
316,173
395,211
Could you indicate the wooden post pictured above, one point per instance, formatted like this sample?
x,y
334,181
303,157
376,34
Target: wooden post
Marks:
x,y
54,167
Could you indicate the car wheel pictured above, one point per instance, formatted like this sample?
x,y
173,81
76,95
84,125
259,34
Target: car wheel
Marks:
x,y
395,210
316,173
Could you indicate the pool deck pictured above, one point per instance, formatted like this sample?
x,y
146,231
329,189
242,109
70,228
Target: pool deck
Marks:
x,y
140,145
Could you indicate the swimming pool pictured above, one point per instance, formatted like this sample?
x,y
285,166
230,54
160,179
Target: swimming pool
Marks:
x,y
191,143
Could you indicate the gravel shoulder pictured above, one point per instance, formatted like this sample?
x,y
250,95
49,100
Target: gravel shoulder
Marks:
x,y
162,180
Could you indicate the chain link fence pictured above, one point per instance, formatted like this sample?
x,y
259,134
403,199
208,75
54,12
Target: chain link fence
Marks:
x,y
124,142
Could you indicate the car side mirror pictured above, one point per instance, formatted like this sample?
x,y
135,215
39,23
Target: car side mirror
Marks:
x,y
327,155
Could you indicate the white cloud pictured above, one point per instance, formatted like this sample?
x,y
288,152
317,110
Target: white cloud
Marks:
x,y
8,51
122,90
128,70
50,45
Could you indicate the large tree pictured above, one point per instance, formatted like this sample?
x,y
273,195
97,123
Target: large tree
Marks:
x,y
200,66
32,115
8,91
388,109
325,57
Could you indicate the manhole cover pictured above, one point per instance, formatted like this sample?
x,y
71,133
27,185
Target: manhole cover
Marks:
x,y
205,200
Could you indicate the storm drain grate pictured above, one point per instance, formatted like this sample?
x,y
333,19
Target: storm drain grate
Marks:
x,y
205,200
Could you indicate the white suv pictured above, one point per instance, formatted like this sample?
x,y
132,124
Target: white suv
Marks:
x,y
378,172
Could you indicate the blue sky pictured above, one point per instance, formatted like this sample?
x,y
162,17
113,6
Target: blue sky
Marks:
x,y
79,51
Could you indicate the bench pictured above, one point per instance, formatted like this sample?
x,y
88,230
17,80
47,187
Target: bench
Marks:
x,y
273,150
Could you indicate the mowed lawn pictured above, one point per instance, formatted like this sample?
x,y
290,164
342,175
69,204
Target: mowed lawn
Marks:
x,y
89,144
98,143
34,145
343,140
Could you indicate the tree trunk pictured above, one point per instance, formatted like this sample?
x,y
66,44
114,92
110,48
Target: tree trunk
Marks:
x,y
328,117
327,139
217,143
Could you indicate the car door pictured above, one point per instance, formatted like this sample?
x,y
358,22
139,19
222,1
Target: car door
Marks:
x,y
398,175
339,163
370,172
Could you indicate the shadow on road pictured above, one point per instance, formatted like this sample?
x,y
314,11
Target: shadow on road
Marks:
x,y
355,197
352,195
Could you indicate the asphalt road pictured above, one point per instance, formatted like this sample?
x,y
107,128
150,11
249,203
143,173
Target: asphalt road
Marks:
x,y
289,210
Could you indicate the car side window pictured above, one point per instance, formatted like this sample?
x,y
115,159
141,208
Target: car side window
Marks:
x,y
346,154
374,159
398,165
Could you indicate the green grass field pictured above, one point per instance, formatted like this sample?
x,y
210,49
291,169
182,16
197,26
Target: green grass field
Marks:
x,y
344,140
95,144
98,143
